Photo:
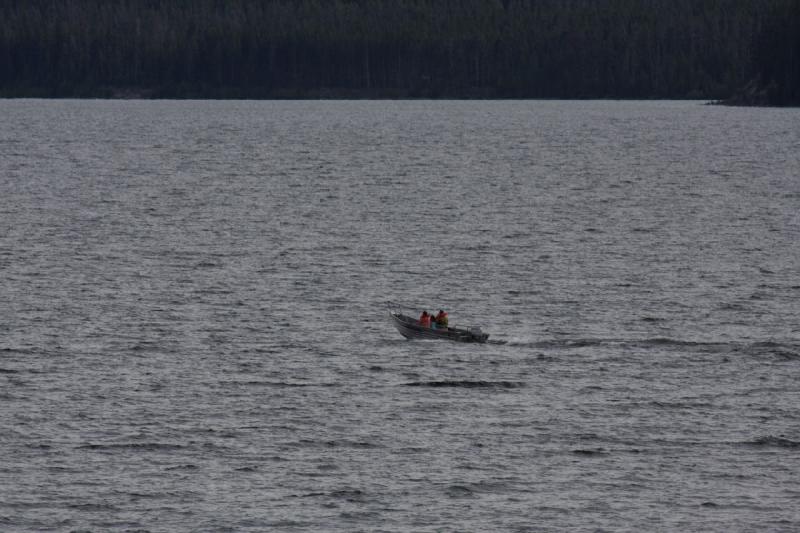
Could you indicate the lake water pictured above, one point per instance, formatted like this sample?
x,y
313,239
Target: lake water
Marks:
x,y
194,337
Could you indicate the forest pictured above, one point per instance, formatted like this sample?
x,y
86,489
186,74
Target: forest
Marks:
x,y
745,51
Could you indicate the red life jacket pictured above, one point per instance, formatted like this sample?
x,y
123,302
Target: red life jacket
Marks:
x,y
425,321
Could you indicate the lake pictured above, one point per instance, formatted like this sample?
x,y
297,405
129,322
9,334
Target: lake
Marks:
x,y
194,332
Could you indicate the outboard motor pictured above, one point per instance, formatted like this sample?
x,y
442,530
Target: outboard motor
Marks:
x,y
478,335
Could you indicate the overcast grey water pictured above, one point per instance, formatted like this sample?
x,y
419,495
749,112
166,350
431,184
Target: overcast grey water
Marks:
x,y
193,334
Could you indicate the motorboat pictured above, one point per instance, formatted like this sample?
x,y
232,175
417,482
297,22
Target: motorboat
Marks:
x,y
410,328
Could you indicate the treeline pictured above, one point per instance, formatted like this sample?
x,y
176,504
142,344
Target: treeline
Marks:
x,y
396,48
777,56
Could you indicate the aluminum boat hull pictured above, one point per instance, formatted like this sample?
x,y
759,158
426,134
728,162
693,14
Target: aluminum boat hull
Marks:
x,y
409,328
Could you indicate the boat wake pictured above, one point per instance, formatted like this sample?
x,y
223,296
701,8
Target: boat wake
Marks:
x,y
782,350
773,441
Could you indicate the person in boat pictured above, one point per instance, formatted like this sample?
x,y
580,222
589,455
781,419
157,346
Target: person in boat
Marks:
x,y
425,320
441,320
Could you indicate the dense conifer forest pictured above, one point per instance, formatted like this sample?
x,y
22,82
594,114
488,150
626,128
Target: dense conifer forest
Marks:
x,y
710,49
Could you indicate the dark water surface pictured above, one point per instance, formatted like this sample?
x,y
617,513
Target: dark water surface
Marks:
x,y
193,334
